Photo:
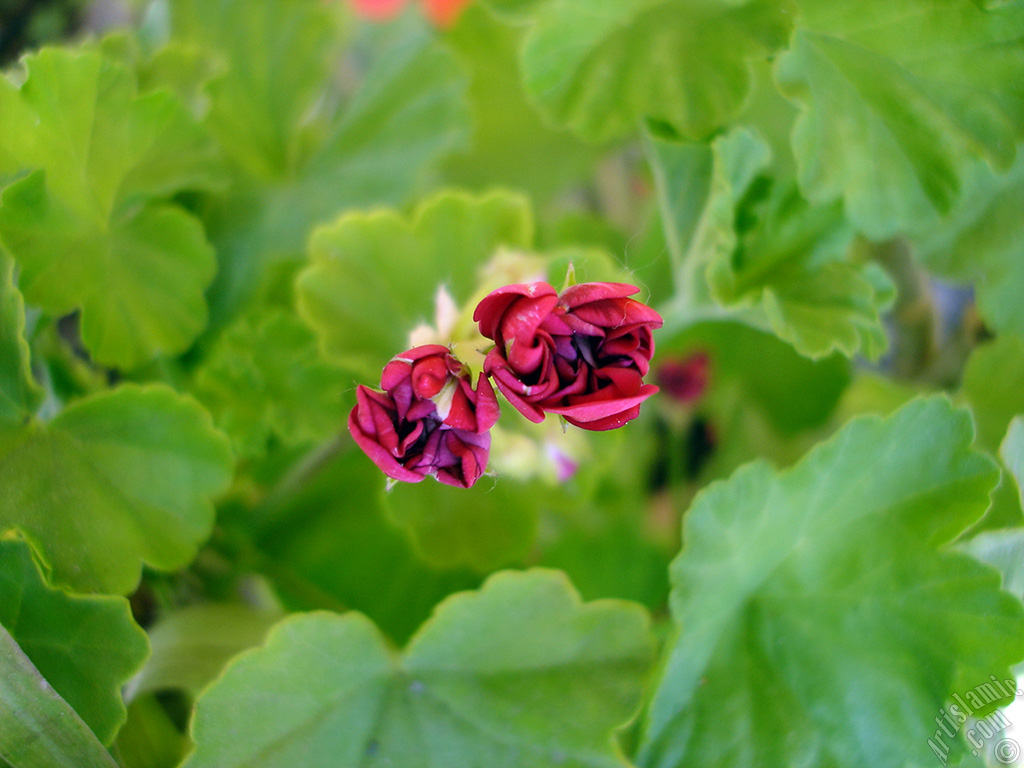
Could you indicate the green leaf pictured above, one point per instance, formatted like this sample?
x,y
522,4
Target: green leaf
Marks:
x,y
991,385
1012,453
85,647
278,58
46,733
824,590
19,393
600,68
17,128
374,275
101,144
518,673
896,97
191,645
752,244
117,479
982,241
139,282
87,227
266,378
486,527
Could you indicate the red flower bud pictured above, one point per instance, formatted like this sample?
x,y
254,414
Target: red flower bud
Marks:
x,y
582,354
428,420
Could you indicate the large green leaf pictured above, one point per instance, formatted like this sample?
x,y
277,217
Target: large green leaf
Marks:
x,y
991,386
820,621
117,479
85,647
374,275
519,673
600,68
266,378
750,243
896,96
139,282
87,229
982,241
19,394
39,729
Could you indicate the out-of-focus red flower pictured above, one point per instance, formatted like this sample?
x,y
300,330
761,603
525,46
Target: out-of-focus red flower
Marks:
x,y
428,420
582,354
685,379
442,13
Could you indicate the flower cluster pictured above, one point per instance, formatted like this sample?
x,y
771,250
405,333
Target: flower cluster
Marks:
x,y
581,355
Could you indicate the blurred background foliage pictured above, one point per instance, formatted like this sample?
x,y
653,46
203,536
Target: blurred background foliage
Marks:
x,y
219,216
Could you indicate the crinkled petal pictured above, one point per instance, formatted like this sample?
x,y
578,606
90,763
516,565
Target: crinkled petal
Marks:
x,y
596,410
487,410
493,306
379,455
615,313
584,293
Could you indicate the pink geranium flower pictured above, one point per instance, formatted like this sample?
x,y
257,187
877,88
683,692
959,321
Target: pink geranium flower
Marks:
x,y
442,13
582,354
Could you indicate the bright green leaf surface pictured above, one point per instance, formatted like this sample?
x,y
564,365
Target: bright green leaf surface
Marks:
x,y
80,227
752,244
823,591
19,394
85,647
519,673
266,377
192,645
600,68
46,733
139,282
895,97
117,479
374,275
982,241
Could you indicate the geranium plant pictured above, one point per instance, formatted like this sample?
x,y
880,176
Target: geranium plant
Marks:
x,y
511,383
